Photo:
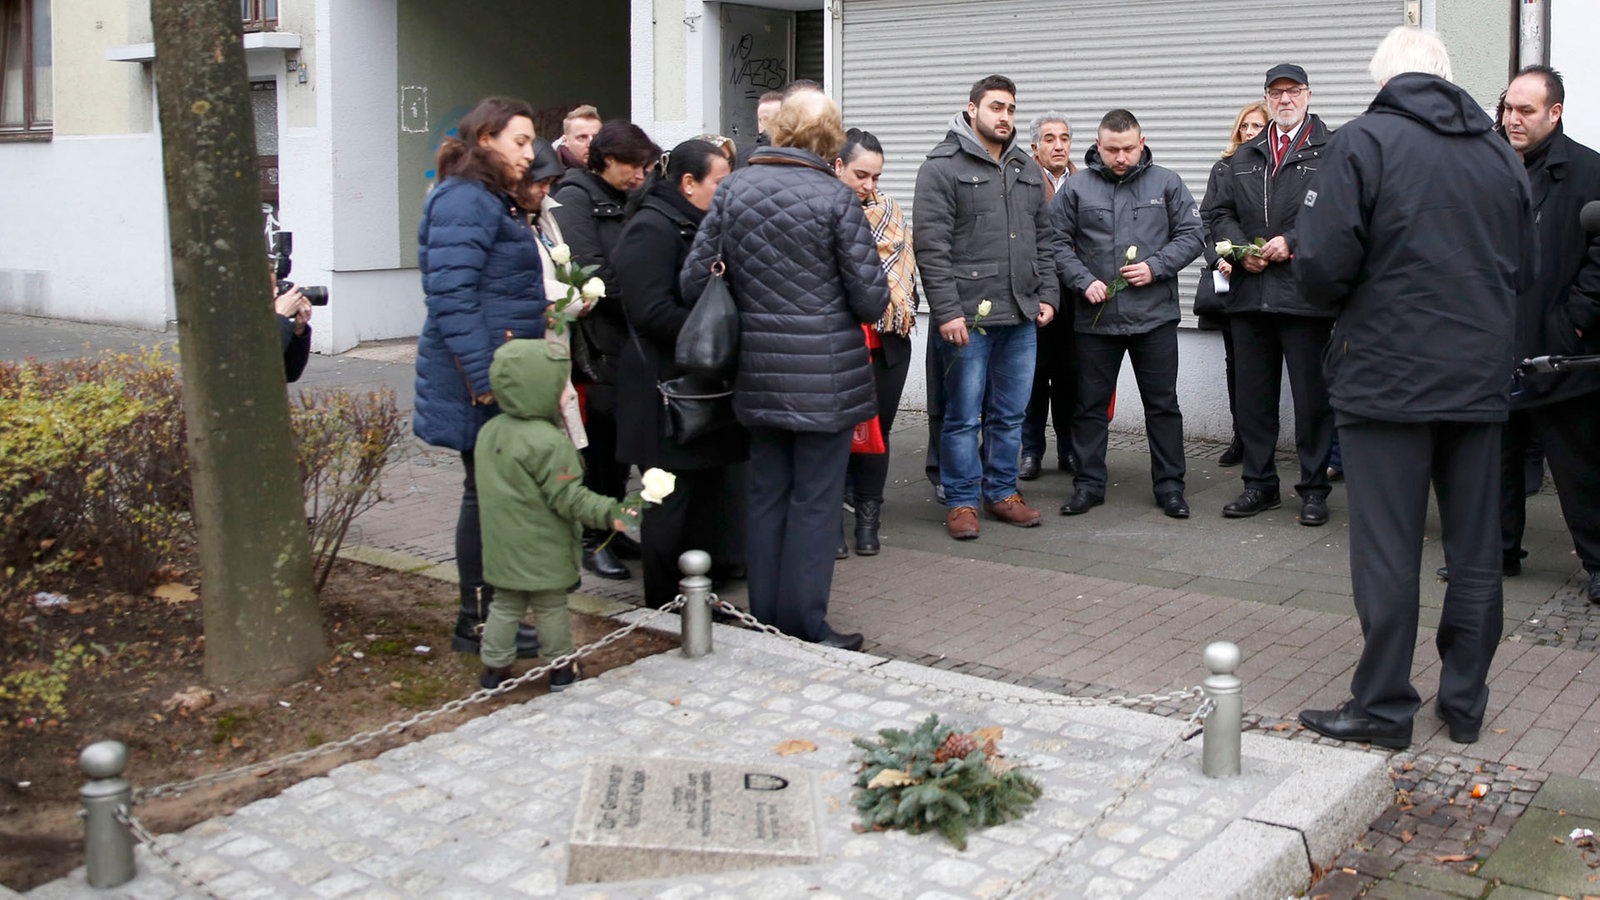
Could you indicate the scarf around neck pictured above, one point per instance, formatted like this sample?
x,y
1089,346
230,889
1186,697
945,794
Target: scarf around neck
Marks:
x,y
888,225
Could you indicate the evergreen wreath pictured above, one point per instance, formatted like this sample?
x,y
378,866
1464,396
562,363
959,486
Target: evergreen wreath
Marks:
x,y
937,778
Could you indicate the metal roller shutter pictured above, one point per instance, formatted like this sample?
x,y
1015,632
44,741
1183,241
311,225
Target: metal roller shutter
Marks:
x,y
1182,67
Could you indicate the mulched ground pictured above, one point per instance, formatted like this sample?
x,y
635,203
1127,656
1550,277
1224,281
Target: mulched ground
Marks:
x,y
390,658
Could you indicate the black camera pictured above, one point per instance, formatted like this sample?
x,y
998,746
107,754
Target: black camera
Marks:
x,y
282,263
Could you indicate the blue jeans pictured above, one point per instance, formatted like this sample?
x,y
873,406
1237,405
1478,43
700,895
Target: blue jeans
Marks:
x,y
1002,360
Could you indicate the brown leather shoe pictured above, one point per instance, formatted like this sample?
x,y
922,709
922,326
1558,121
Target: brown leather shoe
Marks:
x,y
1013,511
962,523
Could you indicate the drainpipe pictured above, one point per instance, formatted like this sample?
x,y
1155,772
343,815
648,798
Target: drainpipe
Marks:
x,y
1533,32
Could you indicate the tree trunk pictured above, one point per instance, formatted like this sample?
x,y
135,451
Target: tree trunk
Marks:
x,y
263,626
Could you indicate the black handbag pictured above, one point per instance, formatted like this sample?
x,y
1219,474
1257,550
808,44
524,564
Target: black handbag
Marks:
x,y
696,406
708,344
1209,306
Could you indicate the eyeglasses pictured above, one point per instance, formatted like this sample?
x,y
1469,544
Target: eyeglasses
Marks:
x,y
1292,93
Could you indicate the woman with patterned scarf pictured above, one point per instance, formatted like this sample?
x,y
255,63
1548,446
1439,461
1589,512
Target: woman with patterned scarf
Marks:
x,y
859,165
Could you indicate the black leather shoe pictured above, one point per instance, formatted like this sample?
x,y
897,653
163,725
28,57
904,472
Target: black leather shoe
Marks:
x,y
469,637
851,641
1461,734
1344,724
1081,502
493,678
843,550
1173,504
1314,511
564,677
1028,467
1252,501
1233,455
1593,590
602,563
624,547
1068,463
869,513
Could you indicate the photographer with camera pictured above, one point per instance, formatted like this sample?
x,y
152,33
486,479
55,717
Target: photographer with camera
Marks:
x,y
294,326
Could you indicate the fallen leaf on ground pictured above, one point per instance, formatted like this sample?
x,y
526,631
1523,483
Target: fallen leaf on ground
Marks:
x,y
888,778
1480,791
190,699
790,748
174,592
1498,730
1406,837
1453,857
1283,726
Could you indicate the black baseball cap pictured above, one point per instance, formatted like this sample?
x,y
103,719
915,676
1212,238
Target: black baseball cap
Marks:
x,y
1286,70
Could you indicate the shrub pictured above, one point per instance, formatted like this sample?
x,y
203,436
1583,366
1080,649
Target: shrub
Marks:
x,y
344,442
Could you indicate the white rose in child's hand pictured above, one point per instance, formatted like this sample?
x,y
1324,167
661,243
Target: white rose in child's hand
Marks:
x,y
561,254
594,289
656,484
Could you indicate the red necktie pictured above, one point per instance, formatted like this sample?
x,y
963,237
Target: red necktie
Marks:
x,y
1283,149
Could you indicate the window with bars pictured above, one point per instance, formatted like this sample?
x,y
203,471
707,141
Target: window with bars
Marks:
x,y
259,15
26,87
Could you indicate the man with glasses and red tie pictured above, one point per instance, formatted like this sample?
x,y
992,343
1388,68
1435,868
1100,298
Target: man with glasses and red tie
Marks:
x,y
1273,324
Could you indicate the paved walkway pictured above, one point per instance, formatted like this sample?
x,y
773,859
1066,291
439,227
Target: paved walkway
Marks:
x,y
1121,600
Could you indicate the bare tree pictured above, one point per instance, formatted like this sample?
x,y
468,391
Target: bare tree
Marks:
x,y
262,623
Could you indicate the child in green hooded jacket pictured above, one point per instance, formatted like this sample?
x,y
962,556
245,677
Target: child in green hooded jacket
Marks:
x,y
533,507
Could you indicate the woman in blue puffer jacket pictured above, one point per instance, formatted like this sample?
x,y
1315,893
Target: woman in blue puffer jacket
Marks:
x,y
485,286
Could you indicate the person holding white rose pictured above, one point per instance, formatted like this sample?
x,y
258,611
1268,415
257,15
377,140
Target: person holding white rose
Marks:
x,y
592,211
534,197
649,255
1124,228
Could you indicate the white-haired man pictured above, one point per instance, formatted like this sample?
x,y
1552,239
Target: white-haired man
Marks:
x,y
1055,377
1418,233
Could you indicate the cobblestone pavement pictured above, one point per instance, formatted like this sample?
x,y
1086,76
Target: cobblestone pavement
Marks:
x,y
484,810
1121,600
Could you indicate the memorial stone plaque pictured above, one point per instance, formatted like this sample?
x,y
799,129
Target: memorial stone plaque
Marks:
x,y
658,818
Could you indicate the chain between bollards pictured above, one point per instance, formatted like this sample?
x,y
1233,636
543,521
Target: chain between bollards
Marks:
x,y
1220,751
695,589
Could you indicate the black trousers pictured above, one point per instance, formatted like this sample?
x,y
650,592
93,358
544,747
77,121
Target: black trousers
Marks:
x,y
1569,431
1055,389
693,517
1154,355
475,594
602,472
1390,466
1263,345
796,486
933,368
1231,375
869,472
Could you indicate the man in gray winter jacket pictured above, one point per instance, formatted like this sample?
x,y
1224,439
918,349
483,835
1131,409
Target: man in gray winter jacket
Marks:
x,y
1124,229
983,247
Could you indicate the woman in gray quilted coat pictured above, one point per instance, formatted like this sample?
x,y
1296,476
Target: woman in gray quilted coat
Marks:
x,y
804,271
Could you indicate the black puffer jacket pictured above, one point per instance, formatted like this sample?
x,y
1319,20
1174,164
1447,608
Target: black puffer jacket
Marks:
x,y
1252,201
1563,175
1417,233
591,217
804,271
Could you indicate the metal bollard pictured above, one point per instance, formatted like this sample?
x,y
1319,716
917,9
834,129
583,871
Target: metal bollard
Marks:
x,y
108,843
1219,753
695,587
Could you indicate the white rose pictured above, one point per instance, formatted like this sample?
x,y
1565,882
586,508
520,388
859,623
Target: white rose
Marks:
x,y
561,254
656,485
593,289
983,308
1132,252
1224,248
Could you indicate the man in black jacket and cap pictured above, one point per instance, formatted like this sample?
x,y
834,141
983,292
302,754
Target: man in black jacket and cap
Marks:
x,y
1418,233
1559,314
1274,325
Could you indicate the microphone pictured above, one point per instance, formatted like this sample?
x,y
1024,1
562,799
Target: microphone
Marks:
x,y
1589,216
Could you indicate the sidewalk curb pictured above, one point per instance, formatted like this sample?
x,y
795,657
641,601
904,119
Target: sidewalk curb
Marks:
x,y
446,572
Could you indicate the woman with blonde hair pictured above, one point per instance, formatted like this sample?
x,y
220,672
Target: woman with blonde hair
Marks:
x,y
1208,306
804,272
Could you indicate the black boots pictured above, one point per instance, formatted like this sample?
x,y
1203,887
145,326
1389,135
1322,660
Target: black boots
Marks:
x,y
468,637
868,514
599,558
